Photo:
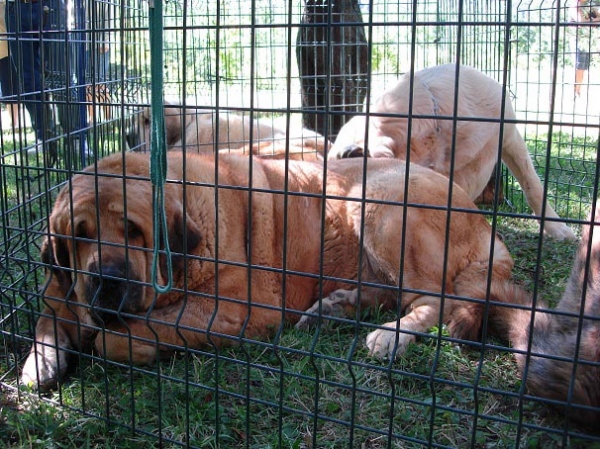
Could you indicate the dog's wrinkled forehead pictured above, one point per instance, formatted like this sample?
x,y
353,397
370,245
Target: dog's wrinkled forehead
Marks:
x,y
110,186
120,165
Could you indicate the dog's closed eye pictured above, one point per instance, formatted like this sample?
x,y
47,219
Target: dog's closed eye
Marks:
x,y
133,230
81,230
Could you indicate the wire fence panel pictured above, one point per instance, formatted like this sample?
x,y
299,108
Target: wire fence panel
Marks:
x,y
329,288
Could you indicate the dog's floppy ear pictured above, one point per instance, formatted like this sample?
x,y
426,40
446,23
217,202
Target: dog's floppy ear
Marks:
x,y
184,236
55,255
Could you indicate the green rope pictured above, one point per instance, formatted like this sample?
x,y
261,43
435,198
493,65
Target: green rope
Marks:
x,y
158,151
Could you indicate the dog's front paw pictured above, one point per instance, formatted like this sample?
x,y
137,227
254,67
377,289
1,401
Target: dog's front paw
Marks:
x,y
559,231
382,342
122,346
353,151
311,317
338,304
44,368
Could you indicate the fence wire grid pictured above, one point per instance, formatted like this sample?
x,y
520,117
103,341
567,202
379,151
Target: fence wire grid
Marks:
x,y
163,370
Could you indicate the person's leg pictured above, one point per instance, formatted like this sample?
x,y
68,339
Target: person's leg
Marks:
x,y
582,65
13,108
7,76
5,82
25,21
63,65
579,74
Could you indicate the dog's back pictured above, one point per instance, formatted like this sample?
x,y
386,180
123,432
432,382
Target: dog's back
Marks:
x,y
424,105
565,352
200,130
456,118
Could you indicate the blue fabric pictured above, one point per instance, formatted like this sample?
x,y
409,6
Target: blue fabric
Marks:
x,y
8,77
26,21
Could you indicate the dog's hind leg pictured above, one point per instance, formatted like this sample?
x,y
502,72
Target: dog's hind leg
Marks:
x,y
516,157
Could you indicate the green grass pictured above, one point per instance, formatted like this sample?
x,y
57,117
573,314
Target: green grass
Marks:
x,y
312,389
263,399
570,172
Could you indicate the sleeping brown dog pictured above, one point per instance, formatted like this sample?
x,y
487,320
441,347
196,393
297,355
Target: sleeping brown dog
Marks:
x,y
99,254
439,139
305,149
202,130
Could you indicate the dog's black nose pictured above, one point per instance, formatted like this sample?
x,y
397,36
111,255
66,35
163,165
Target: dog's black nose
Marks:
x,y
111,291
354,151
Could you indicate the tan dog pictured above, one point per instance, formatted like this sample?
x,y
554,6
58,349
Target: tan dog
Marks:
x,y
100,255
201,130
433,137
559,340
306,149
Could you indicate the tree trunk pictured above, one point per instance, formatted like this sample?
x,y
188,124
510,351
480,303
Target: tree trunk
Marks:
x,y
332,55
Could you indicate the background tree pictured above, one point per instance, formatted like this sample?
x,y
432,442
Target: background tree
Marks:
x,y
332,55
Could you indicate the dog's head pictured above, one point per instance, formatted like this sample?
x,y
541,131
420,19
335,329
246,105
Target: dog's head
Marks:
x,y
138,134
100,243
138,131
381,139
350,141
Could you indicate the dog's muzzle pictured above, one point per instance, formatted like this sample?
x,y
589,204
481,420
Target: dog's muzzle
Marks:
x,y
112,290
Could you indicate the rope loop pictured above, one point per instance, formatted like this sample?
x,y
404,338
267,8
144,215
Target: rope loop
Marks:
x,y
158,150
